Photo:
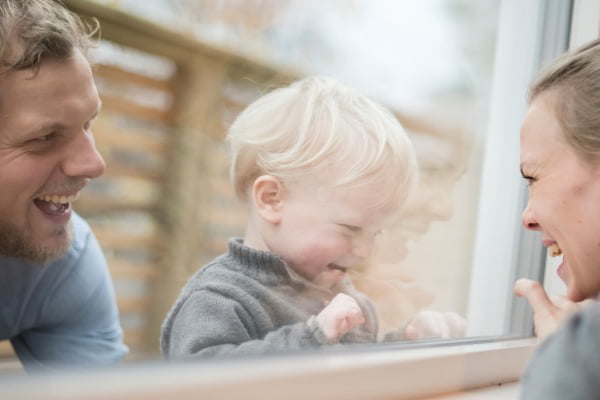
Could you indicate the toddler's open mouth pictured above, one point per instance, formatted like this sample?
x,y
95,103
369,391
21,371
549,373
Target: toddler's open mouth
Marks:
x,y
338,267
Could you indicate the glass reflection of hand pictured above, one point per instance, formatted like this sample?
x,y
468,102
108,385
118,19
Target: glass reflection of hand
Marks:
x,y
434,324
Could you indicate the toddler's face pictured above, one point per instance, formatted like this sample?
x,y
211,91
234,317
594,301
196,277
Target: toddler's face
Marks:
x,y
326,232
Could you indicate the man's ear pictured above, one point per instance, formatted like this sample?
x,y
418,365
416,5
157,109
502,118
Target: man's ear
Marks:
x,y
268,194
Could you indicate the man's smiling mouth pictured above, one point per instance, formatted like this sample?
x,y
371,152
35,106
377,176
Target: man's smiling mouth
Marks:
x,y
55,204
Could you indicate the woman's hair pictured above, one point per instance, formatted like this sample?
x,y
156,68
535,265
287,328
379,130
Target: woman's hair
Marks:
x,y
319,127
31,30
574,79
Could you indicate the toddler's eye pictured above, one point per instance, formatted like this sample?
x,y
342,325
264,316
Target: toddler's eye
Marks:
x,y
352,228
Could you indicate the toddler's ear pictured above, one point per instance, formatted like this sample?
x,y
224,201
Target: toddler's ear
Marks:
x,y
268,194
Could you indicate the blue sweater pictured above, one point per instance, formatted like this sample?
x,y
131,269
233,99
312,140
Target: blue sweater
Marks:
x,y
63,313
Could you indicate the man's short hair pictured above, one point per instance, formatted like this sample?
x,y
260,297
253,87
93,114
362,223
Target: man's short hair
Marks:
x,y
32,30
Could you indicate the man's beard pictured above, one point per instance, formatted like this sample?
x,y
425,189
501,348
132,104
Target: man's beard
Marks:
x,y
18,244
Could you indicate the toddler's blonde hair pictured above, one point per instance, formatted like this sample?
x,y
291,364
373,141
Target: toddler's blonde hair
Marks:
x,y
315,126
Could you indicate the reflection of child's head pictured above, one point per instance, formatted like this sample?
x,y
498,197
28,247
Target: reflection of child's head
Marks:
x,y
321,167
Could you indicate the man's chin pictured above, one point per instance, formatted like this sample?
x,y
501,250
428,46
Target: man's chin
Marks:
x,y
16,243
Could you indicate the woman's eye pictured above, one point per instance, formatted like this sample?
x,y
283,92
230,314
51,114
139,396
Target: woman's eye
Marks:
x,y
528,178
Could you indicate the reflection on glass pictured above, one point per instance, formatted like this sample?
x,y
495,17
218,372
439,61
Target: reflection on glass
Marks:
x,y
387,278
429,62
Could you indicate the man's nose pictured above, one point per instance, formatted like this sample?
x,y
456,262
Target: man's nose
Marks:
x,y
82,158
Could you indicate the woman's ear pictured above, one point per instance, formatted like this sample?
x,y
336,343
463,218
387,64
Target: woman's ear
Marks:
x,y
268,194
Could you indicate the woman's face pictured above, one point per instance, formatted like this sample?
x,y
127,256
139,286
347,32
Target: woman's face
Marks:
x,y
564,198
441,163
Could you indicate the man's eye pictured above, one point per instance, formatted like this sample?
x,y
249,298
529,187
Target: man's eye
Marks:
x,y
44,138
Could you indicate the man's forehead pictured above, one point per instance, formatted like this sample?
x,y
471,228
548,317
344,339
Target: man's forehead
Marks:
x,y
33,103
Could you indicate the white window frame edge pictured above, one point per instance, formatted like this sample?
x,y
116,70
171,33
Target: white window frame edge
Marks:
x,y
503,250
360,375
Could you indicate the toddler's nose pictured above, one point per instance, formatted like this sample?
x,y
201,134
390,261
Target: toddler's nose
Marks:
x,y
363,247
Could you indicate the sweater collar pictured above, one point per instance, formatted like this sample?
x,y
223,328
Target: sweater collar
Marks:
x,y
264,266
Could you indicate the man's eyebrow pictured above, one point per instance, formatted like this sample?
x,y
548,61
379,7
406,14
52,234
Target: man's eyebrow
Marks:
x,y
45,128
55,126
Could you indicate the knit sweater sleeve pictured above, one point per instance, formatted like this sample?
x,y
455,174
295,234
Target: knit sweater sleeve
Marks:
x,y
567,365
209,324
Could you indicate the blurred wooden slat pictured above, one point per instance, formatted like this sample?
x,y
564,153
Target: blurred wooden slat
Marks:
x,y
116,169
136,110
126,270
93,203
6,349
117,74
133,304
116,240
134,338
118,137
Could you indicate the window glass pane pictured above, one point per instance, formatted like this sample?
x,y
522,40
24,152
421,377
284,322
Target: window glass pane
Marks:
x,y
429,62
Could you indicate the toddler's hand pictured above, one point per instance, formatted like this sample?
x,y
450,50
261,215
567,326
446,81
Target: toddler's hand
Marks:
x,y
339,317
434,324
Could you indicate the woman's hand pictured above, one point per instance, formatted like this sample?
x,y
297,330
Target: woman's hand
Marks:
x,y
434,324
548,313
340,316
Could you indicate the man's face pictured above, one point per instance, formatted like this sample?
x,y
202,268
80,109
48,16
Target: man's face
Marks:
x,y
47,154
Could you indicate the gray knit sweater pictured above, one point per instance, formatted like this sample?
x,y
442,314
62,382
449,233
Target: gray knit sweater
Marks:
x,y
567,364
248,302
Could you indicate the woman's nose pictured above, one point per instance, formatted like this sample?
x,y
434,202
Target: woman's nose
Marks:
x,y
442,206
528,219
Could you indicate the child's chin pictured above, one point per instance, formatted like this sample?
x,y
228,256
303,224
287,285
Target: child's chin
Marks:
x,y
329,278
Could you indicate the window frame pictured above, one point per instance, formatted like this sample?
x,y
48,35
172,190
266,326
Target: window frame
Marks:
x,y
402,370
504,251
359,374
